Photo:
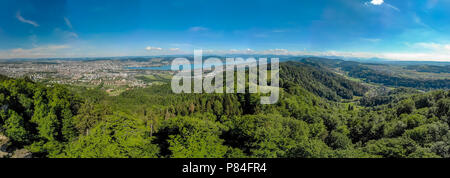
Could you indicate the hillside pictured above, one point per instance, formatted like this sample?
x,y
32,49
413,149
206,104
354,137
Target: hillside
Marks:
x,y
424,77
320,81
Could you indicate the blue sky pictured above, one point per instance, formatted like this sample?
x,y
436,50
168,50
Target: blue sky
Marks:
x,y
393,29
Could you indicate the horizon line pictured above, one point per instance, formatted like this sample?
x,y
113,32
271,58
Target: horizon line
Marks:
x,y
368,59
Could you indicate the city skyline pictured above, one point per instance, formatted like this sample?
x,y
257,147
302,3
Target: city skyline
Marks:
x,y
386,29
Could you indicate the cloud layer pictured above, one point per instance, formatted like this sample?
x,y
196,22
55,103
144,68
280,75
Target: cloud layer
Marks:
x,y
48,51
152,48
439,52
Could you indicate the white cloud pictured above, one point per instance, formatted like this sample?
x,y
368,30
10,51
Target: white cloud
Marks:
x,y
151,48
197,29
276,51
432,52
434,46
37,52
68,23
381,3
377,2
41,49
20,18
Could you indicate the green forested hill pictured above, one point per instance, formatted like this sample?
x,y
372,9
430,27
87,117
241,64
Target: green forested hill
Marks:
x,y
391,78
320,81
308,121
370,75
430,68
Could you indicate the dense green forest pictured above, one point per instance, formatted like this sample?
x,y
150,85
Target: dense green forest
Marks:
x,y
429,68
371,75
368,74
320,114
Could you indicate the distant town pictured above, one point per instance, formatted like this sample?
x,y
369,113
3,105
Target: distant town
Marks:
x,y
110,74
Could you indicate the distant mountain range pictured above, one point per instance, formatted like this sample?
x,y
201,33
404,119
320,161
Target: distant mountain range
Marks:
x,y
281,57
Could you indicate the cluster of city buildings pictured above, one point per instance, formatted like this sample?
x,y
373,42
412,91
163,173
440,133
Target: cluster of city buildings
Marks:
x,y
104,72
